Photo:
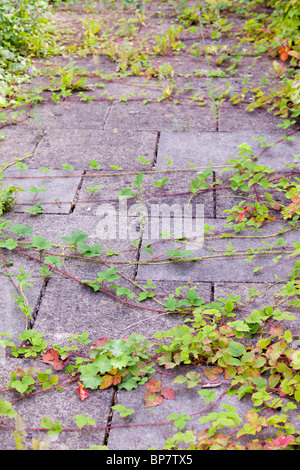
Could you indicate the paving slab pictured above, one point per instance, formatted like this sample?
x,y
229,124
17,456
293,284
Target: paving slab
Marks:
x,y
114,122
56,192
89,63
215,148
12,319
18,142
215,265
119,89
57,405
74,308
53,227
257,296
236,118
79,147
175,192
160,116
148,427
226,199
70,115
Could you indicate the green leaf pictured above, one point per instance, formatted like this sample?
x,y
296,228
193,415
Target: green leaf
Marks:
x,y
77,236
209,394
40,243
94,165
229,306
180,420
236,349
160,182
9,244
123,410
35,190
82,420
66,166
21,229
124,193
93,189
90,251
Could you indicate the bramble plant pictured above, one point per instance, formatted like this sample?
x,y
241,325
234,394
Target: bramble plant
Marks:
x,y
251,352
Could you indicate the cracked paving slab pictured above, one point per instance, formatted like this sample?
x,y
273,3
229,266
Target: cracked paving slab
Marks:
x,y
18,142
66,114
148,427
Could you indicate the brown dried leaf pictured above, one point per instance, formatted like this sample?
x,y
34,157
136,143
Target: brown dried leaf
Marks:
x,y
107,381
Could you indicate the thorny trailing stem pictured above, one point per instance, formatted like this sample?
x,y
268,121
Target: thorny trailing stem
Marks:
x,y
135,60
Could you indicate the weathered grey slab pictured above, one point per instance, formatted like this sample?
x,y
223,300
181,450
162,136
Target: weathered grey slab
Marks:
x,y
53,227
175,193
74,308
12,319
215,148
226,199
57,405
118,89
70,115
79,147
267,295
60,189
147,428
160,116
215,265
18,142
236,118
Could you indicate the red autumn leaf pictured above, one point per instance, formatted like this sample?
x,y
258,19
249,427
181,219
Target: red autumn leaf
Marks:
x,y
154,386
259,224
52,357
99,342
281,442
275,205
152,399
168,393
293,206
276,330
244,212
82,392
283,52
